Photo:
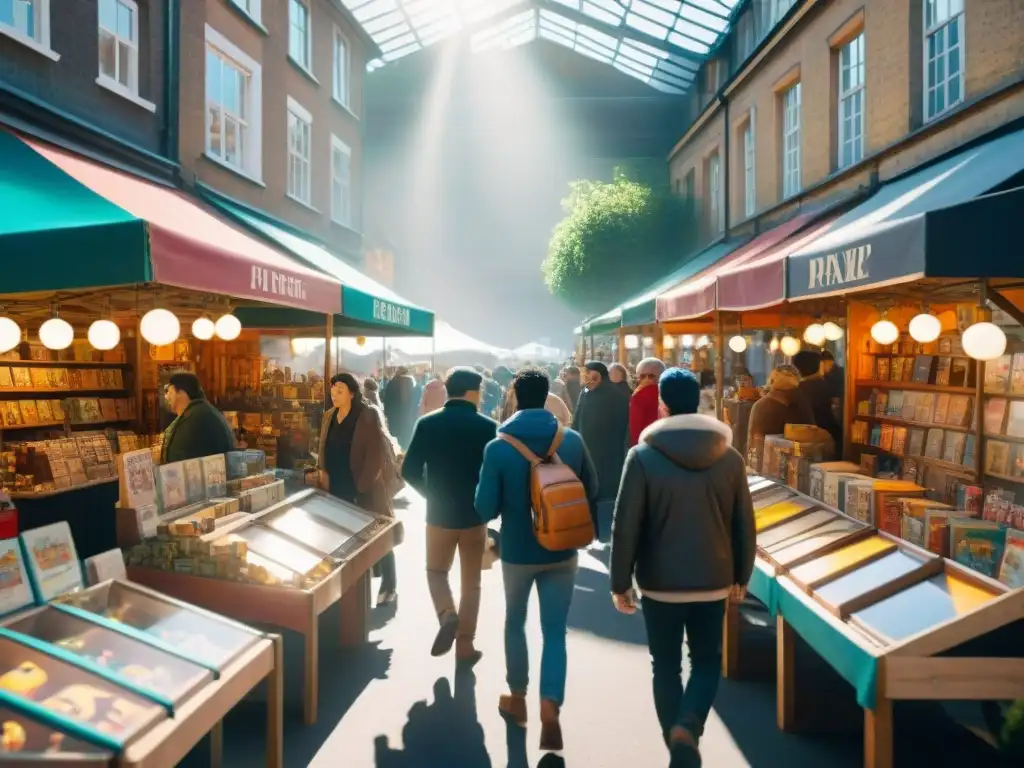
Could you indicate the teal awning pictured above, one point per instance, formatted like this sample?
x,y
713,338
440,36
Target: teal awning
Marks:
x,y
367,307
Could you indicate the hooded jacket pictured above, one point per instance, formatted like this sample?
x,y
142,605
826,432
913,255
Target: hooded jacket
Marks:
x,y
643,411
771,414
684,521
504,488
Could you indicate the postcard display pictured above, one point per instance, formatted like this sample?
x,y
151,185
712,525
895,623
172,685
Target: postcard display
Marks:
x,y
283,566
115,673
878,609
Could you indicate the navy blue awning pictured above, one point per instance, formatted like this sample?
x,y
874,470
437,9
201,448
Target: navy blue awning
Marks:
x,y
938,222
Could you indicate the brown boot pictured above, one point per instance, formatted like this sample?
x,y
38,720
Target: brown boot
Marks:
x,y
513,707
550,728
466,654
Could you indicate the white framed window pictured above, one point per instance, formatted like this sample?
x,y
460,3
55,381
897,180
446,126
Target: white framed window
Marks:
x,y
119,43
300,152
943,56
791,141
341,182
299,37
233,106
851,102
341,68
252,8
28,22
749,178
717,210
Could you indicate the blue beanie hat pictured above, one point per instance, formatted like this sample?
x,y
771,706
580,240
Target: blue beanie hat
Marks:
x,y
679,390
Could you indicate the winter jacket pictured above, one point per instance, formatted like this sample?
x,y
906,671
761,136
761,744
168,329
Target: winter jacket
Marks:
x,y
504,489
433,397
643,411
818,392
371,459
200,430
553,405
771,414
401,403
684,521
602,419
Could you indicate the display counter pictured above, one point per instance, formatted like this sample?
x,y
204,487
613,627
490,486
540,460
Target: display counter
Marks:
x,y
894,620
285,566
120,675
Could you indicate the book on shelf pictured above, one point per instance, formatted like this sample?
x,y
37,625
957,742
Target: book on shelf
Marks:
x,y
894,408
961,372
997,457
29,412
942,371
6,380
44,411
171,486
925,407
914,531
875,438
1015,419
995,416
968,458
933,443
1017,374
882,368
194,487
885,440
1017,464
909,410
978,544
936,528
953,447
22,378
997,374
909,470
916,442
924,369
1011,570
899,440
881,403
38,378
137,477
215,476
959,413
897,365
941,408
864,408
859,432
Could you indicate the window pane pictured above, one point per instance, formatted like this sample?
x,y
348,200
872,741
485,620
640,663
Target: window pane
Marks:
x,y
108,14
230,90
108,54
124,22
213,80
124,63
231,148
215,131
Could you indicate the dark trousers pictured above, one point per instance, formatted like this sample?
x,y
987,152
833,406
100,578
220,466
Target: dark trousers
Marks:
x,y
702,625
388,573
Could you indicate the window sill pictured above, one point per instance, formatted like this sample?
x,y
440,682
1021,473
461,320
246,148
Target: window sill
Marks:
x,y
29,42
237,171
251,20
303,203
947,111
344,107
346,226
305,72
115,87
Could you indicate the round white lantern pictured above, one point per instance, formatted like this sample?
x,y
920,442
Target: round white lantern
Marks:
x,y
885,332
669,342
984,341
789,346
56,333
703,341
228,327
925,327
815,334
832,331
10,334
737,343
104,334
687,341
648,342
160,327
203,328
773,345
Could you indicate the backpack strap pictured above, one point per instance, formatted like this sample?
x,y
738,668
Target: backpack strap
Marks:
x,y
520,446
556,441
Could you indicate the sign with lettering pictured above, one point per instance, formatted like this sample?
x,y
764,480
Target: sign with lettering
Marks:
x,y
386,312
368,312
276,283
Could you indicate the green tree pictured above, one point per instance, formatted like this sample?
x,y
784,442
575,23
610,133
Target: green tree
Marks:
x,y
616,238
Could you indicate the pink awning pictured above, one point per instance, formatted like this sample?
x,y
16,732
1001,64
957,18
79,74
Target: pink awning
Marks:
x,y
192,248
697,296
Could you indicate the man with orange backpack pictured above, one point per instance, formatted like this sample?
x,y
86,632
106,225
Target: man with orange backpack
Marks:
x,y
538,478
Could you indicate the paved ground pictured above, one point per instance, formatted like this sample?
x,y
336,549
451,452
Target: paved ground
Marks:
x,y
390,705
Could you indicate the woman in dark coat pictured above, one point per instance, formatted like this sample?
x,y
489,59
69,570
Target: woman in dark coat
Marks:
x,y
401,406
355,462
602,419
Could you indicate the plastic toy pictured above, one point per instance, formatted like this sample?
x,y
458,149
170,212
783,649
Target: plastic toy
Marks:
x,y
12,736
25,679
77,701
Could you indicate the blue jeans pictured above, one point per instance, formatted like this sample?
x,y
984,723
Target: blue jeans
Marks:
x,y
555,585
702,624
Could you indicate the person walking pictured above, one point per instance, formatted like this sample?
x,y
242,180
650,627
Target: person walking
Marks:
x,y
198,429
644,406
573,385
618,375
371,393
602,419
684,525
505,491
443,464
553,404
433,396
400,405
819,392
355,465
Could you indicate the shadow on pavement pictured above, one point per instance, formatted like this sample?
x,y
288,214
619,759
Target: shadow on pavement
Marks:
x,y
592,611
443,734
515,742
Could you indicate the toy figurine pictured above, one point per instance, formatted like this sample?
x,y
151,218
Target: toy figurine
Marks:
x,y
77,701
56,742
12,737
121,715
25,679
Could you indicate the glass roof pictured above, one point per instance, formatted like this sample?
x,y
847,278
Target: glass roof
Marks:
x,y
660,42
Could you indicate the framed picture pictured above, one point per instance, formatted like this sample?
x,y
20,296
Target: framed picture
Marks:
x,y
15,589
52,561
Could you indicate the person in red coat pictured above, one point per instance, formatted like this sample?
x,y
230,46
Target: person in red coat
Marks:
x,y
643,406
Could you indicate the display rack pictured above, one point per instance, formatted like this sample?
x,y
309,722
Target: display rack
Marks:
x,y
319,549
892,619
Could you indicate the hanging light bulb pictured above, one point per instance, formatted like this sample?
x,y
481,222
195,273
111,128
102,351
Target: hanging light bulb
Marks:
x,y
789,345
56,333
815,334
203,328
632,342
925,327
687,341
648,342
10,334
669,342
984,341
737,343
228,327
104,334
160,327
703,341
885,332
773,345
832,331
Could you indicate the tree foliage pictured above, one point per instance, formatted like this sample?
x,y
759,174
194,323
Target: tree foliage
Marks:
x,y
616,238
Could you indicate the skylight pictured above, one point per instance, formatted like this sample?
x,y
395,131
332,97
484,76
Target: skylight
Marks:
x,y
660,42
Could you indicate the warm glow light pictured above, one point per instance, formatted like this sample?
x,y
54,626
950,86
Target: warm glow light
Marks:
x,y
703,341
203,328
104,334
669,342
10,334
160,327
360,341
737,343
984,341
833,332
815,334
789,346
228,327
925,328
773,345
648,342
632,342
687,341
56,333
885,332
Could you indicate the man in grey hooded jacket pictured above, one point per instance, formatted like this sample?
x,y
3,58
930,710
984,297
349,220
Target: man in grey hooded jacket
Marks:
x,y
684,523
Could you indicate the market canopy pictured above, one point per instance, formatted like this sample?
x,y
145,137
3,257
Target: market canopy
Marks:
x,y
70,223
538,352
931,223
447,340
367,307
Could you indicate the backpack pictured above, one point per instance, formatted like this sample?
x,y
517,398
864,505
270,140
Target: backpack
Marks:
x,y
561,510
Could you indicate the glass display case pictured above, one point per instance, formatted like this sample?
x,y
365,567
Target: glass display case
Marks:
x,y
206,637
280,549
792,551
782,533
24,737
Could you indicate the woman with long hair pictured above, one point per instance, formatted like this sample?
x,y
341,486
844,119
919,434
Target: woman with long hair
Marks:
x,y
355,462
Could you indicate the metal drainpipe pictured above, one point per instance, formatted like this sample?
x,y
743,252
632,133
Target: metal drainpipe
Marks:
x,y
172,94
725,167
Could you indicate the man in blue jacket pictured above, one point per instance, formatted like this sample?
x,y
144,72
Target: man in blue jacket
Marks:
x,y
504,491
